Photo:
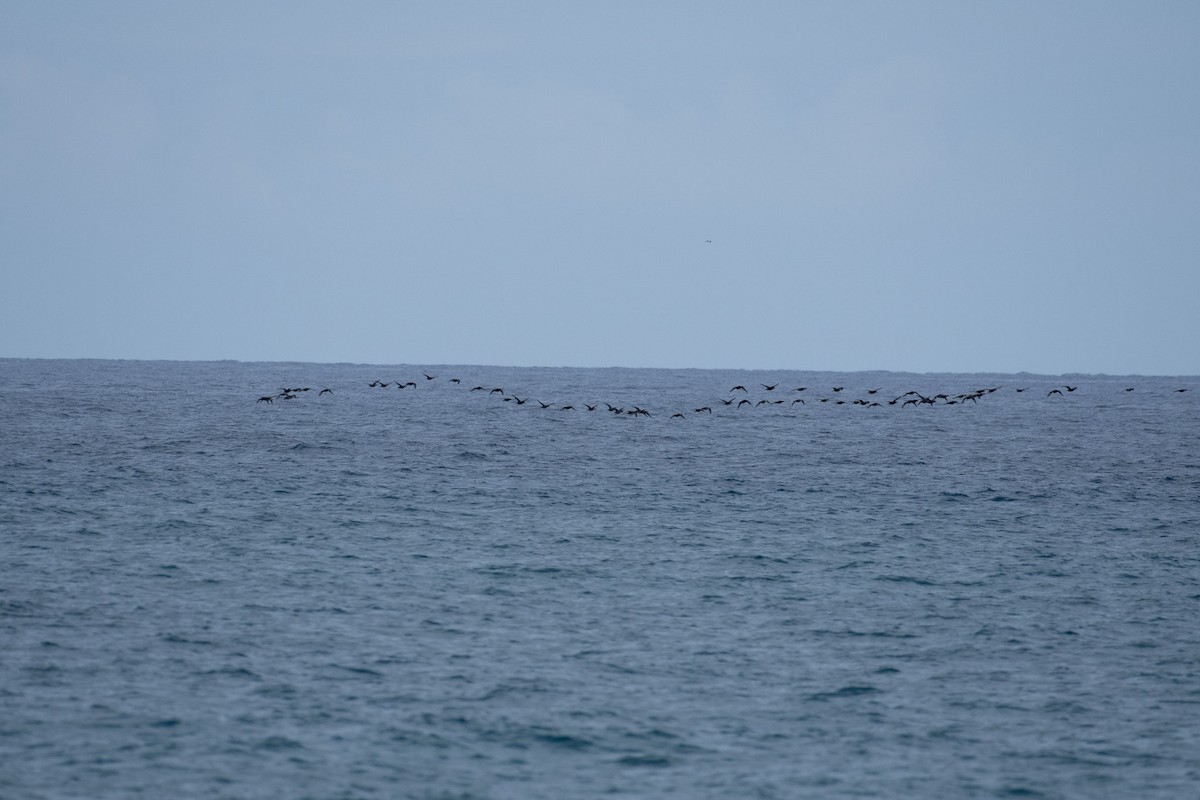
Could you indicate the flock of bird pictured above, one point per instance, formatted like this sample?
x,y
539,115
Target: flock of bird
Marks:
x,y
738,397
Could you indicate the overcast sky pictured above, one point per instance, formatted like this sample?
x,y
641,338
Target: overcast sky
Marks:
x,y
960,186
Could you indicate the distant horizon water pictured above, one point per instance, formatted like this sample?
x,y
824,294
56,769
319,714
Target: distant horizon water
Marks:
x,y
451,365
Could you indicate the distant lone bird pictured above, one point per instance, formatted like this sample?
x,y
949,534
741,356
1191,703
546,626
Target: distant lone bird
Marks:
x,y
455,380
1181,390
1130,389
838,388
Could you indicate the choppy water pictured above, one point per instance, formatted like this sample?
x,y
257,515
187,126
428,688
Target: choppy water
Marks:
x,y
432,592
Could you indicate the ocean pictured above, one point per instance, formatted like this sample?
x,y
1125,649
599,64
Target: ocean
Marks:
x,y
432,590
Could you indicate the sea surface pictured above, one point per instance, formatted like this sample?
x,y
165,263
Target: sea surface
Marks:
x,y
441,592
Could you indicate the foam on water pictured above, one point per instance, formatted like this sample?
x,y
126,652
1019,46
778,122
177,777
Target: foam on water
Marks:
x,y
434,593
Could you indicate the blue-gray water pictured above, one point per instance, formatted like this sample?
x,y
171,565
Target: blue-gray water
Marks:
x,y
433,592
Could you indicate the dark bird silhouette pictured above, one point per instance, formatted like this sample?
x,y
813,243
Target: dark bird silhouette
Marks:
x,y
838,388
738,388
1130,389
591,408
1070,388
801,388
744,403
872,391
1022,389
455,380
1181,390
428,377
567,408
677,414
728,402
494,391
1054,391
324,391
544,405
265,399
799,400
476,388
702,408
769,388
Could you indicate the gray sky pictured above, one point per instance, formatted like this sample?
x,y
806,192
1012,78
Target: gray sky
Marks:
x,y
958,186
